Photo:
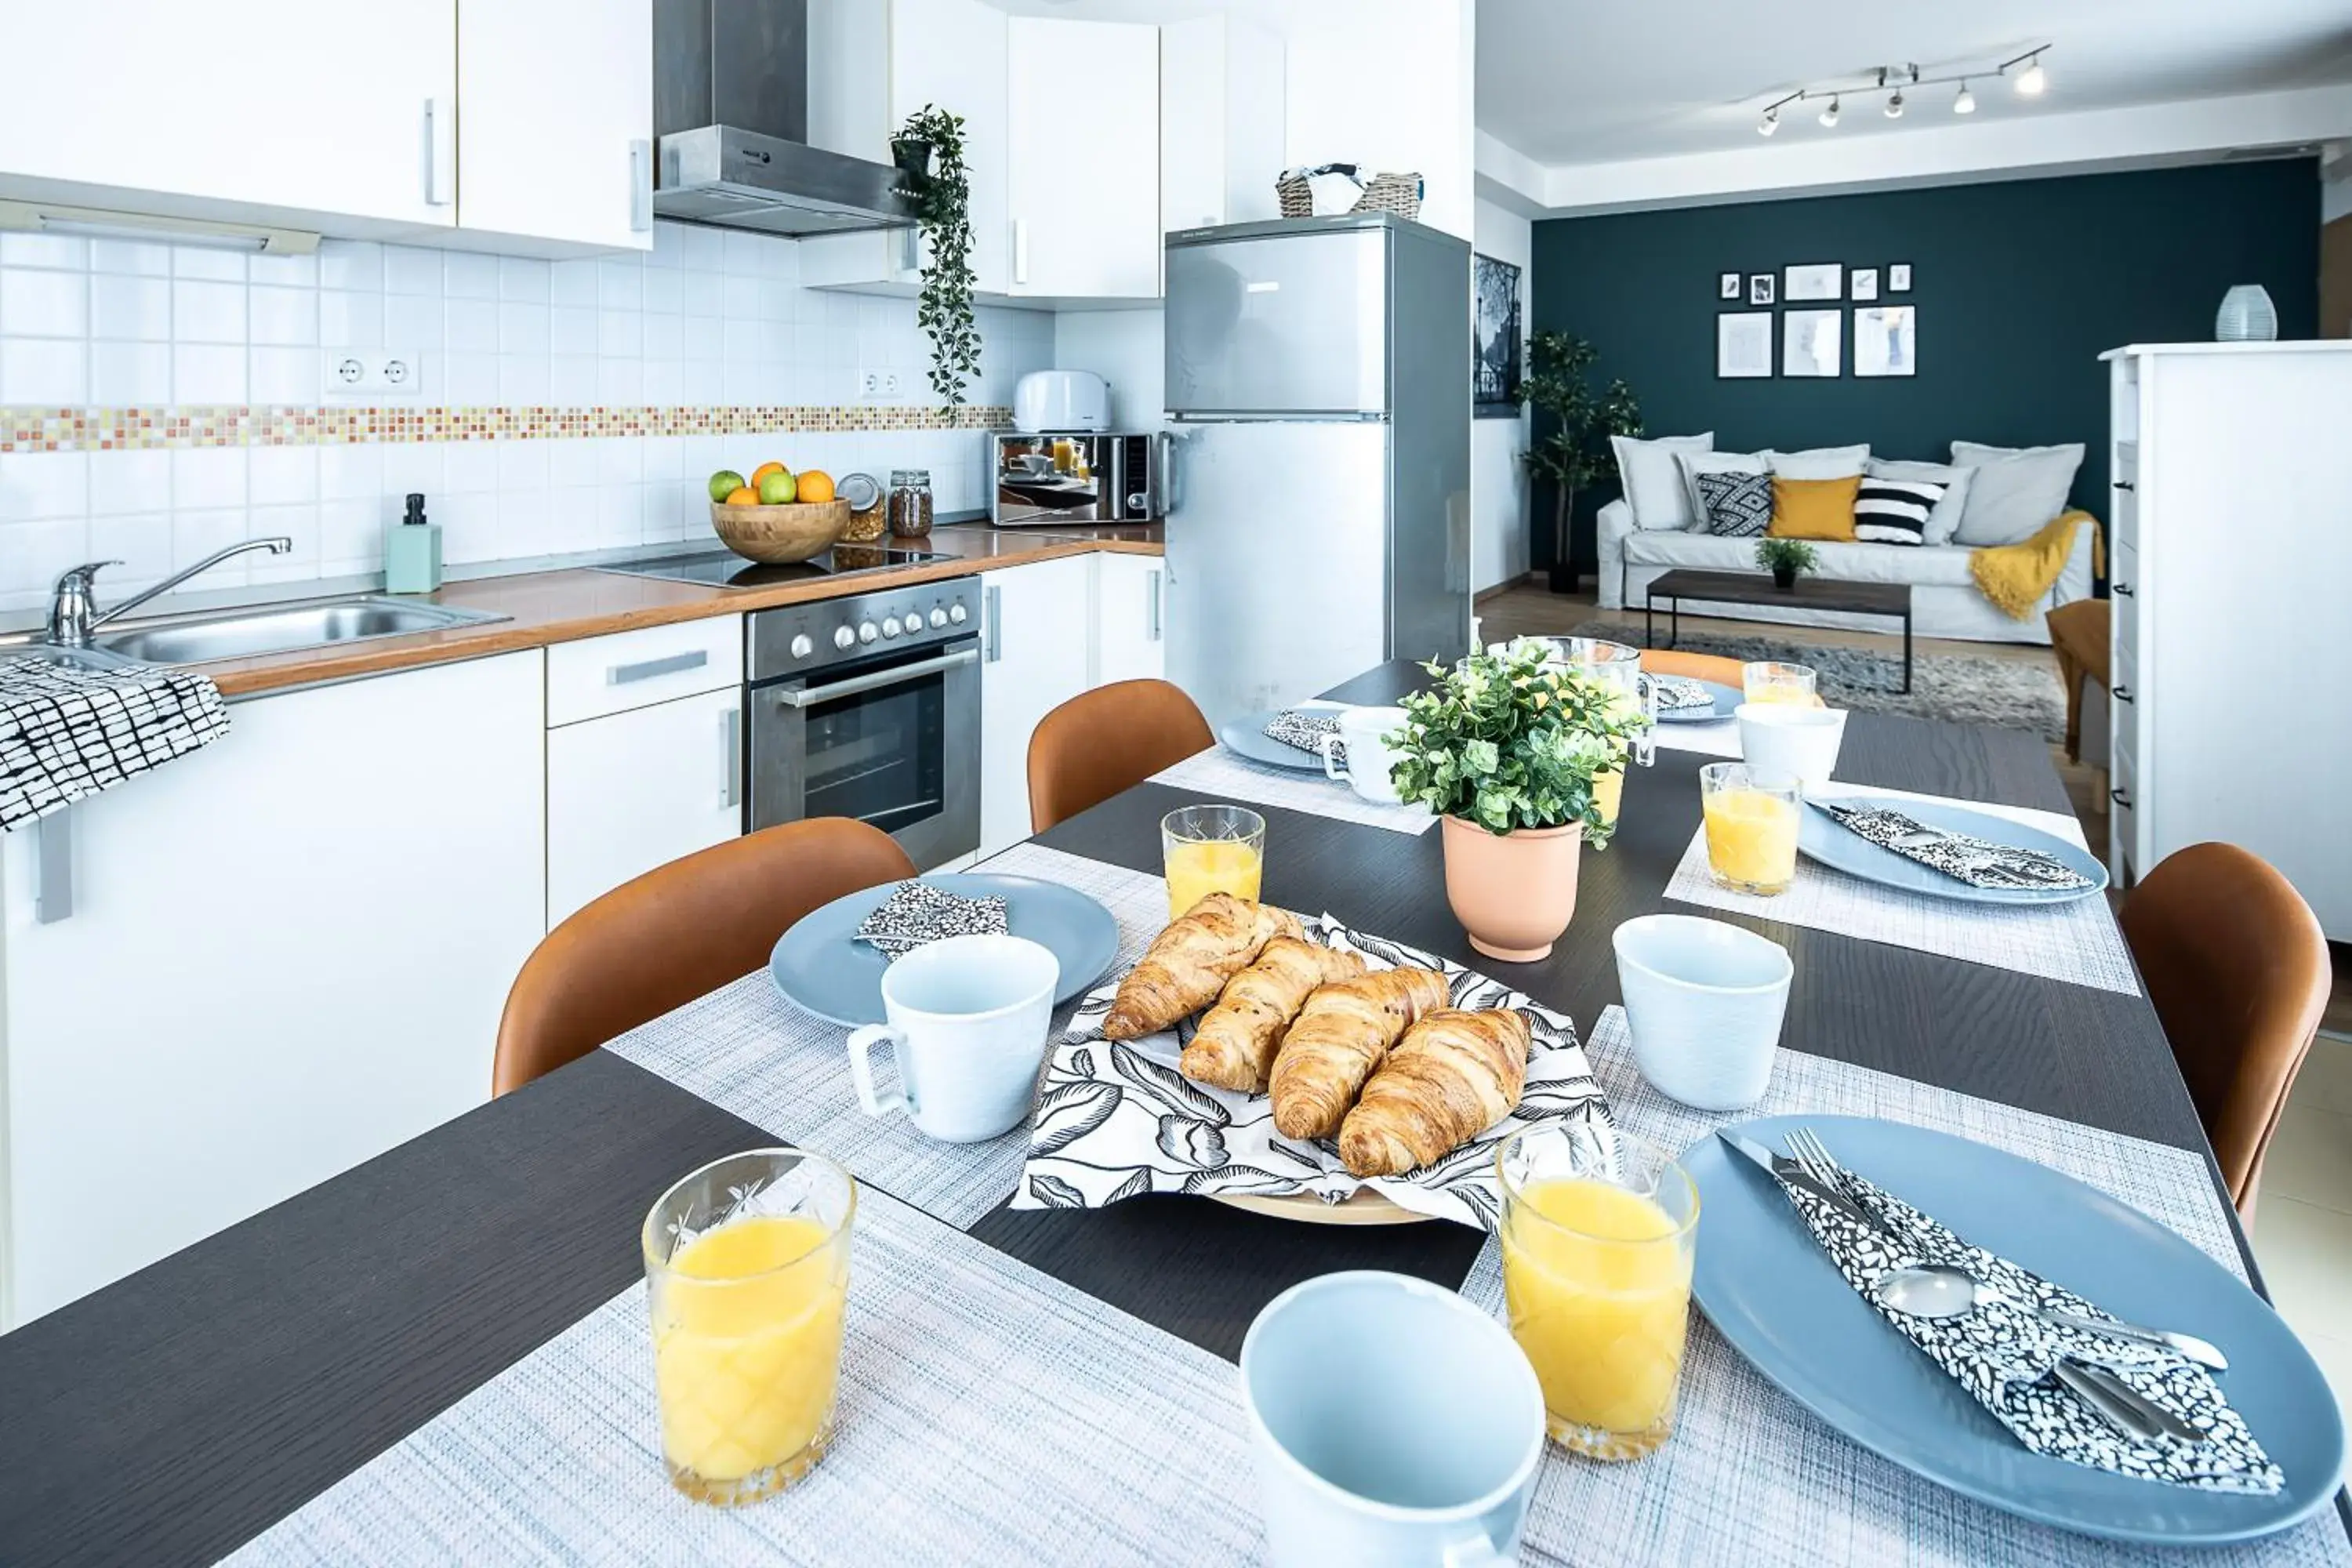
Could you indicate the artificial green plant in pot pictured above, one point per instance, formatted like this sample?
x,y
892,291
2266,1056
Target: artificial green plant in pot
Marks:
x,y
1784,558
1505,747
1575,453
929,147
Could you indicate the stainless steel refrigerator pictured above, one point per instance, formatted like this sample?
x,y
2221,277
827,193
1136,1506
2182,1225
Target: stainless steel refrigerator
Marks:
x,y
1318,513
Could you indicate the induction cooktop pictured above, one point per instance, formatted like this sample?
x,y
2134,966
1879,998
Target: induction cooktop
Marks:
x,y
725,569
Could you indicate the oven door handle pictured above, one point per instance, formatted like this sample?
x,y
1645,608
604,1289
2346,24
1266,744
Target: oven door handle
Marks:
x,y
811,696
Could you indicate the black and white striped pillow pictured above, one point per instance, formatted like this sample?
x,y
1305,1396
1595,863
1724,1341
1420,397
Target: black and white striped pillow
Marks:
x,y
1893,511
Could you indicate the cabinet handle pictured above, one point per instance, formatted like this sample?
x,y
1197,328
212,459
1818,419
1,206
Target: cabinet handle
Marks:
x,y
1154,577
2121,796
992,611
2121,590
1021,250
641,185
2124,485
730,752
53,878
440,153
2124,694
624,674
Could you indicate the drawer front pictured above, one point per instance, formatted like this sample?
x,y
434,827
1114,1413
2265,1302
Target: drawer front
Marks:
x,y
2125,529
2123,585
2125,702
2124,808
636,669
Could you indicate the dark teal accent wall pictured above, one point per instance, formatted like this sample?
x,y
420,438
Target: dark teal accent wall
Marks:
x,y
2020,287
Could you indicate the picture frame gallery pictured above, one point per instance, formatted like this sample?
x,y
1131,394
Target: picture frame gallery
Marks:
x,y
1813,343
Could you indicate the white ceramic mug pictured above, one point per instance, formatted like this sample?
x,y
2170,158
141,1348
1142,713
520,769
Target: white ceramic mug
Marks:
x,y
1779,738
968,1017
1370,758
1395,1425
1705,1000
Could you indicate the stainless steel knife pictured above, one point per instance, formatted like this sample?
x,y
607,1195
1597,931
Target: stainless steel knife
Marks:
x,y
1795,1175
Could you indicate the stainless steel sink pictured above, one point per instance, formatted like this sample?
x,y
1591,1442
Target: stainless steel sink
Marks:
x,y
281,628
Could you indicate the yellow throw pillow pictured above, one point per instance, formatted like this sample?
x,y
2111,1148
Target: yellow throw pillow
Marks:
x,y
1813,508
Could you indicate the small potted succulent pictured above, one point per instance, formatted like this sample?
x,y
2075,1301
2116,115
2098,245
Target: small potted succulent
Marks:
x,y
1784,558
1505,747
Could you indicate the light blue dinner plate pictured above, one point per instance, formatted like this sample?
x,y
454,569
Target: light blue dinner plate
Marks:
x,y
1825,838
1770,1290
820,965
1726,705
1247,736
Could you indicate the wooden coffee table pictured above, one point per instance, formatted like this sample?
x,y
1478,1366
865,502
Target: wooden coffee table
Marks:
x,y
1757,588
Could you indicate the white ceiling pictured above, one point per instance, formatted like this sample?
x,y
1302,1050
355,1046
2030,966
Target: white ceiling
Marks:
x,y
1588,81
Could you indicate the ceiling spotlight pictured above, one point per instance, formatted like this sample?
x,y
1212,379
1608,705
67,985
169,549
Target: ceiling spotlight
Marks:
x,y
1967,101
1770,124
1829,115
2032,80
1894,105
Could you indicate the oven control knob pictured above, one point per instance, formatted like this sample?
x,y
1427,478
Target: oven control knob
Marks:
x,y
802,647
889,625
958,613
939,617
844,638
866,632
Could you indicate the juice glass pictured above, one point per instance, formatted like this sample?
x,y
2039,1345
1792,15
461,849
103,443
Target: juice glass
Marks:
x,y
1767,680
1751,826
1598,1231
1207,849
747,1265
1616,668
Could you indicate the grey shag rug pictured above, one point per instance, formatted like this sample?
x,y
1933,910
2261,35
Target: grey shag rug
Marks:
x,y
2009,693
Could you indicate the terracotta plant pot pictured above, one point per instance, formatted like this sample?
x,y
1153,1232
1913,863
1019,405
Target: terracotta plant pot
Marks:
x,y
1512,892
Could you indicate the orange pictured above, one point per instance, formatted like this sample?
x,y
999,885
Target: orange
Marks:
x,y
746,496
817,485
763,471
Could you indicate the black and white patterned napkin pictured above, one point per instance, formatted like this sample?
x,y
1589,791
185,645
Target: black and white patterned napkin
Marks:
x,y
919,912
1117,1121
68,730
2003,1356
1979,862
1676,692
1305,729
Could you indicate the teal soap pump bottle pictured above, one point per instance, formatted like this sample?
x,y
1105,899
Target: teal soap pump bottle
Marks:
x,y
412,552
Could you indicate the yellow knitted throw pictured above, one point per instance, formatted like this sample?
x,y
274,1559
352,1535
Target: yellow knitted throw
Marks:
x,y
2017,576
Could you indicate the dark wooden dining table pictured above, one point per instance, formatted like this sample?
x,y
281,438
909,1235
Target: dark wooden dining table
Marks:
x,y
175,1415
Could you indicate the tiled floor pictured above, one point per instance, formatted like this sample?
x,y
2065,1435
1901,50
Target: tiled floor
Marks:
x,y
2303,1225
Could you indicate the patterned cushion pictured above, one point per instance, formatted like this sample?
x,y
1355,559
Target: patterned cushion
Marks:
x,y
1894,511
1738,506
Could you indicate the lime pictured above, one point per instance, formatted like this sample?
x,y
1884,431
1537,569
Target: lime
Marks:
x,y
724,482
777,489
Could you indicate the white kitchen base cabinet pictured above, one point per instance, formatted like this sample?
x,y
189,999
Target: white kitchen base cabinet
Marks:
x,y
1130,618
1037,632
636,790
286,953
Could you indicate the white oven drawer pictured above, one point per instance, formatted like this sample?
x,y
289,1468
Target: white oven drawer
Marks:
x,y
613,673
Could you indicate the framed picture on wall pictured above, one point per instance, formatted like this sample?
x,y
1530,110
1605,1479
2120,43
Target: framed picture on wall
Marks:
x,y
1743,344
1885,341
1494,349
1898,277
1760,290
1865,283
1727,287
1822,281
1812,343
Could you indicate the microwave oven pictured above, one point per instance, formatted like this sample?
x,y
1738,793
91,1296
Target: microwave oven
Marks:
x,y
1075,476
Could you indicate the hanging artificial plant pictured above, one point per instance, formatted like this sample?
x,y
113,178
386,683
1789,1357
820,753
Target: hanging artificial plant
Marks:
x,y
930,146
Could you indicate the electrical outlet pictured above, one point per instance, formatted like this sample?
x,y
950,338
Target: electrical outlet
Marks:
x,y
390,373
877,385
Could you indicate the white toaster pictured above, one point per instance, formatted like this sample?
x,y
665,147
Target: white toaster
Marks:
x,y
1061,400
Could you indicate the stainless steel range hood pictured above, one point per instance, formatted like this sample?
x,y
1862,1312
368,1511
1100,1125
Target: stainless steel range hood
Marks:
x,y
730,118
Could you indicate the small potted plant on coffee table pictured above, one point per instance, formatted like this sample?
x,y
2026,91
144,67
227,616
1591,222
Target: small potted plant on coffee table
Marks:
x,y
1784,558
1505,747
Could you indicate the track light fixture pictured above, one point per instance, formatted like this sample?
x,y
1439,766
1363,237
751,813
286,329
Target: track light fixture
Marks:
x,y
1894,105
1829,115
2033,80
1770,123
1966,103
1899,82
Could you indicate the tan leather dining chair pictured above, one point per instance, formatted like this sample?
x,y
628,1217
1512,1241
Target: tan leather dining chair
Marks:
x,y
1693,666
663,939
1104,741
2237,969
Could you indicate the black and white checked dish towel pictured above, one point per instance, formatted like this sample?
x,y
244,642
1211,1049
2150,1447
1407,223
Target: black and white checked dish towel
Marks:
x,y
70,730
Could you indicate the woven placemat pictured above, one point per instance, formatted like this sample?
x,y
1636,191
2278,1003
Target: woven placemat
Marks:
x,y
1220,772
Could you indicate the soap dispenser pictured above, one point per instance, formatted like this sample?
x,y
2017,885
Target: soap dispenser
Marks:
x,y
412,552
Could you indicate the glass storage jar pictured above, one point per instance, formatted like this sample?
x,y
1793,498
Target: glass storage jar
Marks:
x,y
910,503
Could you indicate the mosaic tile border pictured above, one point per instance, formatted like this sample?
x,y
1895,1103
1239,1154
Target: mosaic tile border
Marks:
x,y
31,429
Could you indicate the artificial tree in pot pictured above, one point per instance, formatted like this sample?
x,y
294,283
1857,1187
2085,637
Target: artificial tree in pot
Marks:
x,y
1575,453
929,147
1784,558
1505,748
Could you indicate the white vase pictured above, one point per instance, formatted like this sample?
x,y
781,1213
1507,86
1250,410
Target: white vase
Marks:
x,y
2247,316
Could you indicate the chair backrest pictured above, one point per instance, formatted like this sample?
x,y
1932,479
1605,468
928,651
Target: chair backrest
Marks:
x,y
1693,666
2237,968
1101,742
663,939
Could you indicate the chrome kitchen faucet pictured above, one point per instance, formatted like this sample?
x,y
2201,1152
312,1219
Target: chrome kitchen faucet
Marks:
x,y
74,614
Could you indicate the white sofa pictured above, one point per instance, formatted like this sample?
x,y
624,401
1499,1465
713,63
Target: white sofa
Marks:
x,y
1945,601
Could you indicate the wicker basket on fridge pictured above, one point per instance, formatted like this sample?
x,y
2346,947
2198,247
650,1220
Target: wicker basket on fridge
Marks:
x,y
1388,193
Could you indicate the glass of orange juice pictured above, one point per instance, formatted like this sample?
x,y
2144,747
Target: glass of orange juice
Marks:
x,y
1751,826
747,1265
1207,849
1770,680
1598,1231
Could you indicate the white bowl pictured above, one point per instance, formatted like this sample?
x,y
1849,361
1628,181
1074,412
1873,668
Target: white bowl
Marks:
x,y
1705,1000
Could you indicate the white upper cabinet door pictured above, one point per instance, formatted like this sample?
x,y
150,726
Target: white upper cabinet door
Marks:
x,y
1221,103
292,105
556,139
952,53
636,790
1084,159
1130,618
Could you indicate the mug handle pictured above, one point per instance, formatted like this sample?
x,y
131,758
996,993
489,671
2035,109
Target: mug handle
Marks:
x,y
862,1042
1323,743
1475,1551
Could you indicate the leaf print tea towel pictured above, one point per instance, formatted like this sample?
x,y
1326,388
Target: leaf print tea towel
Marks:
x,y
1117,1121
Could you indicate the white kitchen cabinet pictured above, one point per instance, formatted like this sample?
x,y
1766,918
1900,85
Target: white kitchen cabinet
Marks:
x,y
636,790
1221,109
286,953
1082,179
1035,635
556,141
293,106
1130,620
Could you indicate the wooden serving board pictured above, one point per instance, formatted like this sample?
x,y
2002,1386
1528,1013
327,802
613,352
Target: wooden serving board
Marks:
x,y
1366,1207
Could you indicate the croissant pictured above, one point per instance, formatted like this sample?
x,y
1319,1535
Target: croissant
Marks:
x,y
1235,1043
1452,1077
1188,963
1337,1038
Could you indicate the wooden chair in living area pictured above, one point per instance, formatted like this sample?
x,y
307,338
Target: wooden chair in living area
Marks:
x,y
1693,666
665,938
2079,637
1104,741
2237,968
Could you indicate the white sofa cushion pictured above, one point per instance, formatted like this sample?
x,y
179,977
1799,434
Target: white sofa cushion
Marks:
x,y
1821,463
2015,489
1653,486
1691,465
1920,566
1945,520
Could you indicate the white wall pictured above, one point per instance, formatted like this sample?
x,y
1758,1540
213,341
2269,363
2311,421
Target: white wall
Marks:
x,y
1123,347
1498,481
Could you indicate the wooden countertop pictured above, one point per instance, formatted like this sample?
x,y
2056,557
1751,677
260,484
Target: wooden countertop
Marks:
x,y
543,607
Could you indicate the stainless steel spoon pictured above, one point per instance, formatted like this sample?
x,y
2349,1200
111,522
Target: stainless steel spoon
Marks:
x,y
1938,1290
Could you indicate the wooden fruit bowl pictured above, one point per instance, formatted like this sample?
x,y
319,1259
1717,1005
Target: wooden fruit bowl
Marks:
x,y
777,534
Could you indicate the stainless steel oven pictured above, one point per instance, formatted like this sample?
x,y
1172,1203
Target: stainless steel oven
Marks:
x,y
869,707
